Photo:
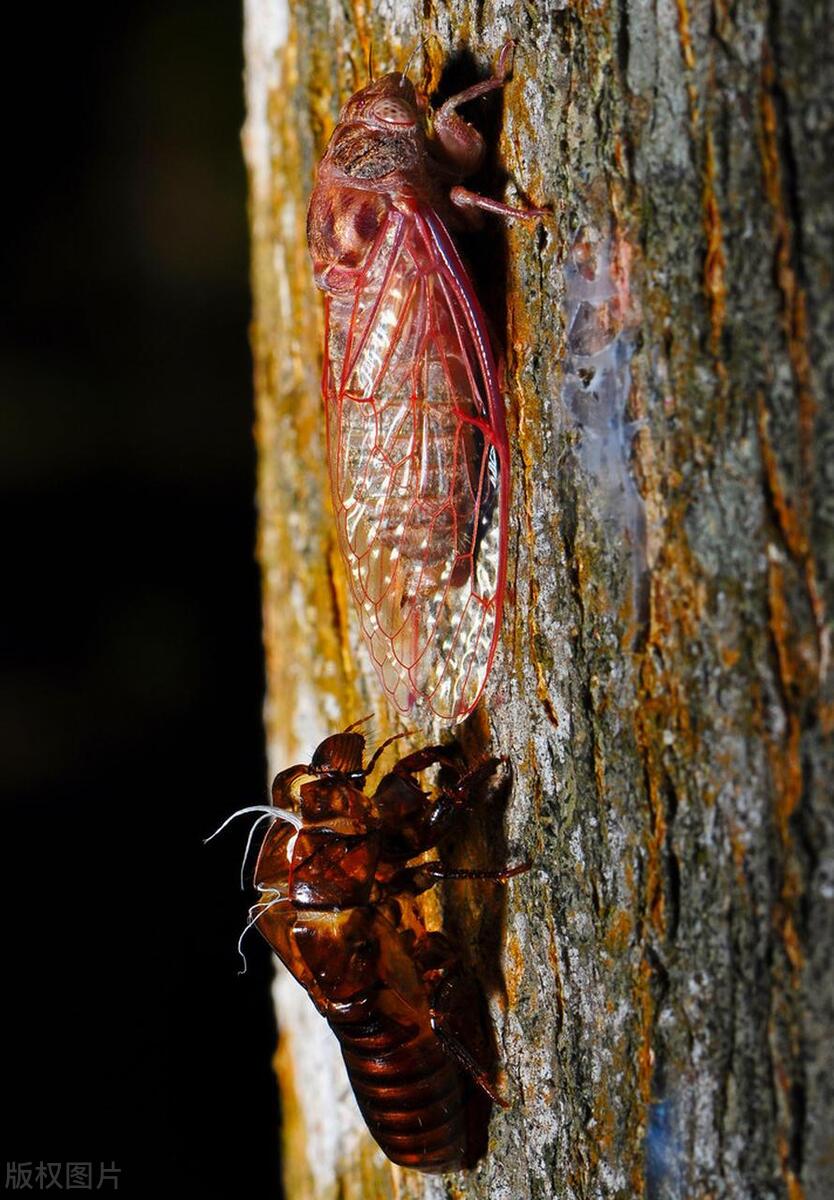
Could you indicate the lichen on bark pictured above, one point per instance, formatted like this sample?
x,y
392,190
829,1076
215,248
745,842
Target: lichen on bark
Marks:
x,y
661,980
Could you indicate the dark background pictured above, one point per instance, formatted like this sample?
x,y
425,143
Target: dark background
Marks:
x,y
130,706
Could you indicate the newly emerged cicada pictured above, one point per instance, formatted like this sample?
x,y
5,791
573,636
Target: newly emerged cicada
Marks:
x,y
337,882
417,440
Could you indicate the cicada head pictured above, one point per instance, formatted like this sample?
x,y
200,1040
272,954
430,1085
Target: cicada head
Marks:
x,y
341,754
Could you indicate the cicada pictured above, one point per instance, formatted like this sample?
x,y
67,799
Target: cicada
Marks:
x,y
337,883
416,434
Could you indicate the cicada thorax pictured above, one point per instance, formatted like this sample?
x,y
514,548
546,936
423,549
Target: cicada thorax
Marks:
x,y
331,859
332,869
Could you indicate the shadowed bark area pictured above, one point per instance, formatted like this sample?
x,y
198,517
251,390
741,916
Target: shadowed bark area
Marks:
x,y
660,982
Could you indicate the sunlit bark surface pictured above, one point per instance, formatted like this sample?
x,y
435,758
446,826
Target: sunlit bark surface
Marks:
x,y
660,980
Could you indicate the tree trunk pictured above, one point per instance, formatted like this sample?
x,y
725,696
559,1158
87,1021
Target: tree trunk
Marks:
x,y
660,981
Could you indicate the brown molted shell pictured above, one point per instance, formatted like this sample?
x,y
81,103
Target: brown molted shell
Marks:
x,y
338,910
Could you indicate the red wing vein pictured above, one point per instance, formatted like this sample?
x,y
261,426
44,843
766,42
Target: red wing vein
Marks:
x,y
410,466
351,356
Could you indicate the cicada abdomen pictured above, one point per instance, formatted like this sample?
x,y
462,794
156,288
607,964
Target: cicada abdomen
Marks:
x,y
417,441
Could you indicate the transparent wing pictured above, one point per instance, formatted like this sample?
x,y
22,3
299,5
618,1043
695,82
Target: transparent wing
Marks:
x,y
418,460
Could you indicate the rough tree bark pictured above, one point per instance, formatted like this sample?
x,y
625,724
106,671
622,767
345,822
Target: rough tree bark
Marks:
x,y
660,981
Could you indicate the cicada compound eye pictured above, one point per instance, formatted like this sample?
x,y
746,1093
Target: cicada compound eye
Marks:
x,y
391,111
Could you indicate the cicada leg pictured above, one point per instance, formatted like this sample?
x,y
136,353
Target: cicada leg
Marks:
x,y
411,822
462,144
462,198
452,1003
412,881
421,760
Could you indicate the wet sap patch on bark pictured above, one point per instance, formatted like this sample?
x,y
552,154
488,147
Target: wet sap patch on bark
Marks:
x,y
601,323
